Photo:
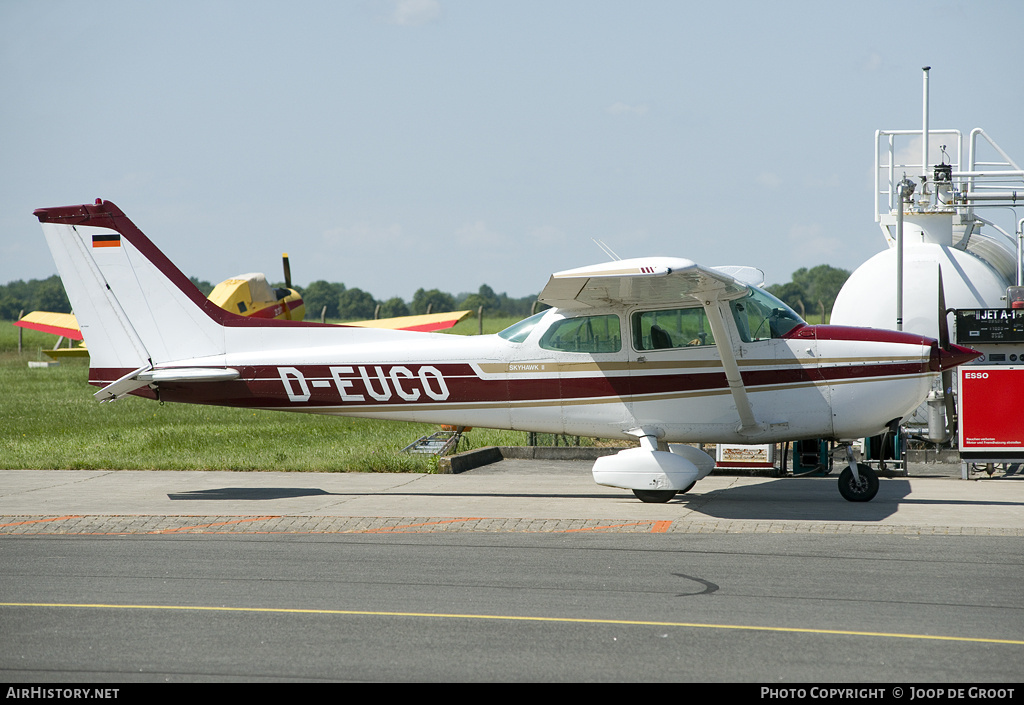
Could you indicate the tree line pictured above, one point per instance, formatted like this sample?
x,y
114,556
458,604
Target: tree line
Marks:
x,y
33,295
340,302
348,304
809,292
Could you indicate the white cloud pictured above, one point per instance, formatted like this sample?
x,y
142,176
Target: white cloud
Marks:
x,y
478,235
769,179
620,108
412,13
873,62
908,151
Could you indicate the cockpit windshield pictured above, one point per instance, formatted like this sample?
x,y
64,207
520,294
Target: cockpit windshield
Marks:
x,y
518,332
760,316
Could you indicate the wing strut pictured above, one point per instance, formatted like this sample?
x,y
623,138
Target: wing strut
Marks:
x,y
748,424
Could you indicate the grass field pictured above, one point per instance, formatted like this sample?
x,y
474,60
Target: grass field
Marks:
x,y
49,420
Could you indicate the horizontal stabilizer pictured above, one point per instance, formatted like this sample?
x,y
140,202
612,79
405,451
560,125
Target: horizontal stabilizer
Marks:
x,y
189,374
123,386
147,375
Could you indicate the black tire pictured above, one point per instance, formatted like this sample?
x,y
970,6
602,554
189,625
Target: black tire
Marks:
x,y
655,496
688,487
865,491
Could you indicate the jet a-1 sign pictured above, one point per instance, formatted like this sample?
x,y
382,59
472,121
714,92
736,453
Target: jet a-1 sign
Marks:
x,y
659,349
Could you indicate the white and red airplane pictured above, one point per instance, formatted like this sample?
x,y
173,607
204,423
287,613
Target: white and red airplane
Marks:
x,y
659,349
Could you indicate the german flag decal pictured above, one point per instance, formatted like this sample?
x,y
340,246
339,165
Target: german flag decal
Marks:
x,y
113,240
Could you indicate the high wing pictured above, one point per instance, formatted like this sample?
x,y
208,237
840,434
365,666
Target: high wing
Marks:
x,y
657,281
648,281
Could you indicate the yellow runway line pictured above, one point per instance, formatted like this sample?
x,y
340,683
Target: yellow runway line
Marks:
x,y
519,618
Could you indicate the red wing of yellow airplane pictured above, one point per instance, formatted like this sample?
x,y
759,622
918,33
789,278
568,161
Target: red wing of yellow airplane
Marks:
x,y
427,322
64,324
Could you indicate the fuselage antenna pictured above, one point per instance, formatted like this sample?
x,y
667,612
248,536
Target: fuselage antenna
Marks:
x,y
607,250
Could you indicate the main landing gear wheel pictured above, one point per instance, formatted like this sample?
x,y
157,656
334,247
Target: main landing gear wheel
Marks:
x,y
688,487
656,496
863,491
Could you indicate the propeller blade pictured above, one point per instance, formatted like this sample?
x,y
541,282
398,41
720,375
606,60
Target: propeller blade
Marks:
x,y
943,323
288,271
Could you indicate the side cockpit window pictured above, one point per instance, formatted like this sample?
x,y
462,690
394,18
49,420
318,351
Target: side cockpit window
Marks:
x,y
585,334
672,328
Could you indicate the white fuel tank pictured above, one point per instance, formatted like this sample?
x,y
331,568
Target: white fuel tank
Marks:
x,y
868,298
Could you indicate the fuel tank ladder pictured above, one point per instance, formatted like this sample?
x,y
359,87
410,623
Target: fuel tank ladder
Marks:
x,y
443,442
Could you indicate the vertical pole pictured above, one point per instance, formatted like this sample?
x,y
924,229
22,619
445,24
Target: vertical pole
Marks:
x,y
901,191
892,167
480,320
20,329
1020,261
924,131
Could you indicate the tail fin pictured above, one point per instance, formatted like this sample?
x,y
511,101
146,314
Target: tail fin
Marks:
x,y
135,308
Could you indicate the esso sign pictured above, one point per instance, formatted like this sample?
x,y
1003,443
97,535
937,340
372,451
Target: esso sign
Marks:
x,y
975,375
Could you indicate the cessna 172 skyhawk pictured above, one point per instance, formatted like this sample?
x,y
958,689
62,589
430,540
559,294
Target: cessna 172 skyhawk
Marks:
x,y
659,349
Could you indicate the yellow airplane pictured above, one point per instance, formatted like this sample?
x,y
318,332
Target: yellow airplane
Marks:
x,y
251,295
246,295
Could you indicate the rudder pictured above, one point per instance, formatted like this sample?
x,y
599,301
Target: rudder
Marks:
x,y
135,308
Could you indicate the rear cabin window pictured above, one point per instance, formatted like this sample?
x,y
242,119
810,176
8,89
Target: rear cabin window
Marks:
x,y
672,328
586,334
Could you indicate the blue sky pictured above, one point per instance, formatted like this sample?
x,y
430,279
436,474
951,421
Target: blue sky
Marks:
x,y
399,144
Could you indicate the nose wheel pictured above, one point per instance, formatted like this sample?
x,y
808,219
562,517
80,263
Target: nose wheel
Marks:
x,y
861,487
661,496
655,496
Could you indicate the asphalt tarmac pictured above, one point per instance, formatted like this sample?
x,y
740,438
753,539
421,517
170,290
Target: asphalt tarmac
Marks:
x,y
517,571
511,495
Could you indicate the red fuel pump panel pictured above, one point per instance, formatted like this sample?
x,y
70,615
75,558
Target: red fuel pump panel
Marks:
x,y
992,408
